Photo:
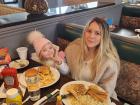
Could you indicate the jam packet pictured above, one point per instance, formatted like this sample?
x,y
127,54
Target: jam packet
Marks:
x,y
4,56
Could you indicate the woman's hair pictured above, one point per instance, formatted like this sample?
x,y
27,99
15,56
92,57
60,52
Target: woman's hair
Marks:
x,y
104,49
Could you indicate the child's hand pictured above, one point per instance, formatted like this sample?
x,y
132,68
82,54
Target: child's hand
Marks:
x,y
61,54
60,57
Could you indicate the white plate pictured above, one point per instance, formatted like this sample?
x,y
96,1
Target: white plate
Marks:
x,y
63,89
18,64
54,71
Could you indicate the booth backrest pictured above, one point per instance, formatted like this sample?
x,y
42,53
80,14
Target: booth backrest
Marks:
x,y
130,17
127,50
69,31
128,84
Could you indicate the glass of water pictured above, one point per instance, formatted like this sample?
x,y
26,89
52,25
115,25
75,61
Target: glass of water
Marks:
x,y
33,86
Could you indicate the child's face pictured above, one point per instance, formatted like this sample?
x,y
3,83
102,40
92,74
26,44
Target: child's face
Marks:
x,y
47,51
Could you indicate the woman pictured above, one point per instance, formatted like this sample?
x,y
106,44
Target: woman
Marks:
x,y
93,57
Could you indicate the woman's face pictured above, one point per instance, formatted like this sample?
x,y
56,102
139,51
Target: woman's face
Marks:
x,y
92,35
48,51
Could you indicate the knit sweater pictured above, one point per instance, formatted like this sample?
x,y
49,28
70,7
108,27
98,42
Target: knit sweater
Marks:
x,y
106,77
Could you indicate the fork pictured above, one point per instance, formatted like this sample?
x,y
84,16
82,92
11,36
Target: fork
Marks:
x,y
51,99
48,96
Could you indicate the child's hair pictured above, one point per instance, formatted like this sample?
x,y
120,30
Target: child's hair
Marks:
x,y
38,40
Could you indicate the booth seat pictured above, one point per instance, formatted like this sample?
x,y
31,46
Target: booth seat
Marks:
x,y
128,83
130,17
129,21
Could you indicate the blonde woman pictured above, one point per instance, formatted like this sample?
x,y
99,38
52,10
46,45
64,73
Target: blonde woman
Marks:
x,y
93,57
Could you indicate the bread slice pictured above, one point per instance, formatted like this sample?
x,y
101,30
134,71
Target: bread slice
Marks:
x,y
76,90
45,70
31,72
97,93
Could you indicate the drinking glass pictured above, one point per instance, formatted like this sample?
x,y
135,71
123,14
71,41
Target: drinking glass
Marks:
x,y
33,86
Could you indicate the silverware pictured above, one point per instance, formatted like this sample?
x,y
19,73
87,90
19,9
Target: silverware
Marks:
x,y
51,99
26,99
46,97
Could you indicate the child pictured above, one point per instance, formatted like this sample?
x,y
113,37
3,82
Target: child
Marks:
x,y
46,51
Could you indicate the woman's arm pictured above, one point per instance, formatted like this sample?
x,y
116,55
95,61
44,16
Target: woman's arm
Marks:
x,y
109,78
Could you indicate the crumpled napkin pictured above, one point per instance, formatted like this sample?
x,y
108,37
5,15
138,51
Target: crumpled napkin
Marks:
x,y
3,90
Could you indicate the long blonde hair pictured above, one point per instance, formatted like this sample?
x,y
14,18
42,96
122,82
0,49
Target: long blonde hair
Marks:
x,y
104,49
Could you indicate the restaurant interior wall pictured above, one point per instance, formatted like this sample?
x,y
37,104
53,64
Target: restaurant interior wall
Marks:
x,y
15,36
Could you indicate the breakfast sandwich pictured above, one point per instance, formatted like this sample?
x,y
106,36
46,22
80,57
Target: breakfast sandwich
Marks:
x,y
31,72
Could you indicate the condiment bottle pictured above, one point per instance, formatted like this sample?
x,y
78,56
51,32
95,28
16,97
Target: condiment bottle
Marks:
x,y
13,97
59,100
10,78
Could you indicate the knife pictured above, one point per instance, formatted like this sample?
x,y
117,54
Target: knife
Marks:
x,y
53,98
46,97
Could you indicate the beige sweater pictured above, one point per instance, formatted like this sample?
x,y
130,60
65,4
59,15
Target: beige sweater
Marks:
x,y
106,77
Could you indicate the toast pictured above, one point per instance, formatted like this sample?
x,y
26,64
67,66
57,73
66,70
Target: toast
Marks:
x,y
97,93
76,90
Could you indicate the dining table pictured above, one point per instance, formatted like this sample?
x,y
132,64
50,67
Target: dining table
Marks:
x,y
46,90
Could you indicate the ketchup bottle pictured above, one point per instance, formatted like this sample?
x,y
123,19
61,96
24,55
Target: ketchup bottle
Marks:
x,y
10,78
